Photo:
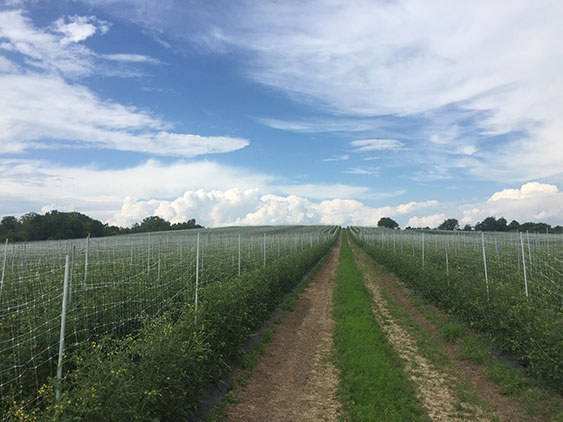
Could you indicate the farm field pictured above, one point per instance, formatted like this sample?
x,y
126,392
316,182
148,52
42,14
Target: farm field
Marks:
x,y
508,285
397,357
148,319
151,320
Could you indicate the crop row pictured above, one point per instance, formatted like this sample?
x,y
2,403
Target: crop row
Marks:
x,y
508,287
132,309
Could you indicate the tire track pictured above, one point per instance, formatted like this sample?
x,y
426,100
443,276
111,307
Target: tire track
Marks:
x,y
433,386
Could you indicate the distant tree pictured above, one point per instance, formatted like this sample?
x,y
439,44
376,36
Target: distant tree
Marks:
x,y
72,225
388,223
535,227
501,225
190,224
514,226
9,223
151,224
467,228
449,224
489,224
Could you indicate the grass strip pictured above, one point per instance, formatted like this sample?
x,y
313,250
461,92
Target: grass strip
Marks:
x,y
373,385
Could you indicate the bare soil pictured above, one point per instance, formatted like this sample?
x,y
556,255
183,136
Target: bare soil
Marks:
x,y
295,380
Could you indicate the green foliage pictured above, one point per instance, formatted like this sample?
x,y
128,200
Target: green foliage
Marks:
x,y
452,331
55,225
449,224
373,385
530,328
387,223
155,367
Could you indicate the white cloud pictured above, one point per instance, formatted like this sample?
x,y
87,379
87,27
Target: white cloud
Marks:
x,y
100,192
131,58
79,28
36,109
427,221
321,125
364,145
248,207
46,50
324,191
533,201
412,58
527,190
43,110
7,66
343,157
363,170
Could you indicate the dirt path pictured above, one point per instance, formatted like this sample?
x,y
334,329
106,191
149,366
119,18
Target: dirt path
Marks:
x,y
294,380
435,386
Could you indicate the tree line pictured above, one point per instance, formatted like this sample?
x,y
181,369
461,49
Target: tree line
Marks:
x,y
55,225
489,224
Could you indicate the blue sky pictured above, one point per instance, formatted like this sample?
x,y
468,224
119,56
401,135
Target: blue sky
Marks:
x,y
245,112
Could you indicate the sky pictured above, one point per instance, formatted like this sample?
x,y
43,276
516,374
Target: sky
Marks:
x,y
294,112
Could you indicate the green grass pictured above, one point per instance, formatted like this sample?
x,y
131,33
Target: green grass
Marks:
x,y
372,385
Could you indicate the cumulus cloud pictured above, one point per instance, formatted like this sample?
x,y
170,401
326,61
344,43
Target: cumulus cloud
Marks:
x,y
427,221
30,184
533,201
527,190
250,207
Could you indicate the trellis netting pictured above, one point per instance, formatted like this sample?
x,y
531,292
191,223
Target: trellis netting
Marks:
x,y
508,284
110,284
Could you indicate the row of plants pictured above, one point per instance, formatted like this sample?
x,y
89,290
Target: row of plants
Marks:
x,y
529,327
156,369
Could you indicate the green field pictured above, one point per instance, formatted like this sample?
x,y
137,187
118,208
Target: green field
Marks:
x,y
139,337
507,285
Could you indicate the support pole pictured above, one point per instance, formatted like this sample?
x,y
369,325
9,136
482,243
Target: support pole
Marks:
x,y
196,276
485,265
4,264
524,264
62,334
86,259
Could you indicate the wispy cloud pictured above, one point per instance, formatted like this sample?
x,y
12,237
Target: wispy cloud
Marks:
x,y
363,170
40,108
372,59
131,58
79,28
343,157
316,125
365,145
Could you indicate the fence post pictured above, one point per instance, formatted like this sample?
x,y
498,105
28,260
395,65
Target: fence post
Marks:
x,y
149,253
423,249
86,259
524,264
4,264
62,334
196,276
264,249
447,265
239,254
485,264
